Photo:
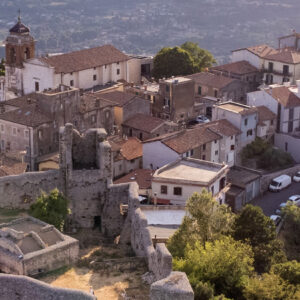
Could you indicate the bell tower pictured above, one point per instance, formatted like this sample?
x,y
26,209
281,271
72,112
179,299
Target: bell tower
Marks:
x,y
19,46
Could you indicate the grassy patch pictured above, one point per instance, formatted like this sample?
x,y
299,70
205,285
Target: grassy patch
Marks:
x,y
55,273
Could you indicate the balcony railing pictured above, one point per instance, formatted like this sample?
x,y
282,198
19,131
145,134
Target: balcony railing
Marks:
x,y
277,72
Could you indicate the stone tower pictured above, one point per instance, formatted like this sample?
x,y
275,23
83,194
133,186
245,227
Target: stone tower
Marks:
x,y
19,46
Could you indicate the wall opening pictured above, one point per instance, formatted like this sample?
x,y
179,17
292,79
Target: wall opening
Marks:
x,y
97,222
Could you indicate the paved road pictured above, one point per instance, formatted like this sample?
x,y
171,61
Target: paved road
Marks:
x,y
269,202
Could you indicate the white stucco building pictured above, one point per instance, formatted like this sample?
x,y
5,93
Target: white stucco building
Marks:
x,y
177,181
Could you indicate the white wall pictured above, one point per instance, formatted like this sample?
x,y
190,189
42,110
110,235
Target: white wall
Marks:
x,y
282,141
157,154
35,72
244,54
259,98
215,147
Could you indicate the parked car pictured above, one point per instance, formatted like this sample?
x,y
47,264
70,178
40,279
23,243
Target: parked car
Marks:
x,y
296,177
279,209
202,119
295,199
279,183
276,219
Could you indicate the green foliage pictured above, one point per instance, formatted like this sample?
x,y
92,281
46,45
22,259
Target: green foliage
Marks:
x,y
288,271
206,220
253,227
52,208
274,158
202,58
172,62
184,60
269,287
203,290
2,67
224,263
257,147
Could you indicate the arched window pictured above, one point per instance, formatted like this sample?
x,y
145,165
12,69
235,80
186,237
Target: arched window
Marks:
x,y
13,55
27,53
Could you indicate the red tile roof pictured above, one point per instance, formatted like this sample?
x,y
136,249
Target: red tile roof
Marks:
x,y
144,123
265,114
210,79
118,98
288,56
29,115
129,149
223,127
259,50
284,96
240,67
85,59
142,177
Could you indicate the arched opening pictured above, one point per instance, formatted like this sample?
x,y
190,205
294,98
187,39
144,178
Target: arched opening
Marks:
x,y
13,55
27,53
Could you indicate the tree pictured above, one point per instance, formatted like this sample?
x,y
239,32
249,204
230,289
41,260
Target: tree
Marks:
x,y
253,227
202,58
225,264
172,62
288,271
206,220
52,208
269,287
2,67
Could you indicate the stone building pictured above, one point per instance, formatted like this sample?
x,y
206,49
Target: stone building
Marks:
x,y
176,100
29,247
146,127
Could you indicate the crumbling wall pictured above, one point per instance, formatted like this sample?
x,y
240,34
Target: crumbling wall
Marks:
x,y
22,287
22,190
9,263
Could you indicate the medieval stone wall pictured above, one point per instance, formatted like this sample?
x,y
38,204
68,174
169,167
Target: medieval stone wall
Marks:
x,y
22,287
22,190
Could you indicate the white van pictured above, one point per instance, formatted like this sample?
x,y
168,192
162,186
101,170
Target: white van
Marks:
x,y
279,183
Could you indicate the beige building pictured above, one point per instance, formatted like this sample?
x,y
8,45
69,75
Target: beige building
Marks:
x,y
178,181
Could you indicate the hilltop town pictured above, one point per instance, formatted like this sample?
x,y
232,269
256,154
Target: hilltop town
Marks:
x,y
128,152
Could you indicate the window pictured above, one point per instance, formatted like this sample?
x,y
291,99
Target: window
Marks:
x,y
215,141
94,77
286,147
94,68
231,137
216,152
40,134
118,71
2,127
216,93
141,136
232,147
204,147
199,90
2,144
164,189
285,69
93,118
247,78
37,86
167,89
192,152
249,132
212,190
272,122
177,191
270,67
27,53
71,73
203,157
246,122
118,63
71,82
105,66
14,131
130,132
132,161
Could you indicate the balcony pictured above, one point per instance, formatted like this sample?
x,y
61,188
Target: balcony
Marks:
x,y
277,72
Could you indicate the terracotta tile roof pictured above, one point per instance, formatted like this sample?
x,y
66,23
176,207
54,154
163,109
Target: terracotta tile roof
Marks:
x,y
129,149
223,127
118,98
21,101
143,177
259,50
85,59
210,79
190,139
91,102
284,96
9,166
264,114
143,122
288,56
29,115
239,67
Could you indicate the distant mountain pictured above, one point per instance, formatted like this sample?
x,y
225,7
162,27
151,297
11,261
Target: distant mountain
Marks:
x,y
143,27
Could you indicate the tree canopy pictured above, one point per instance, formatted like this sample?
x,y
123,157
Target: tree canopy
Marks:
x,y
253,227
2,67
52,208
187,59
